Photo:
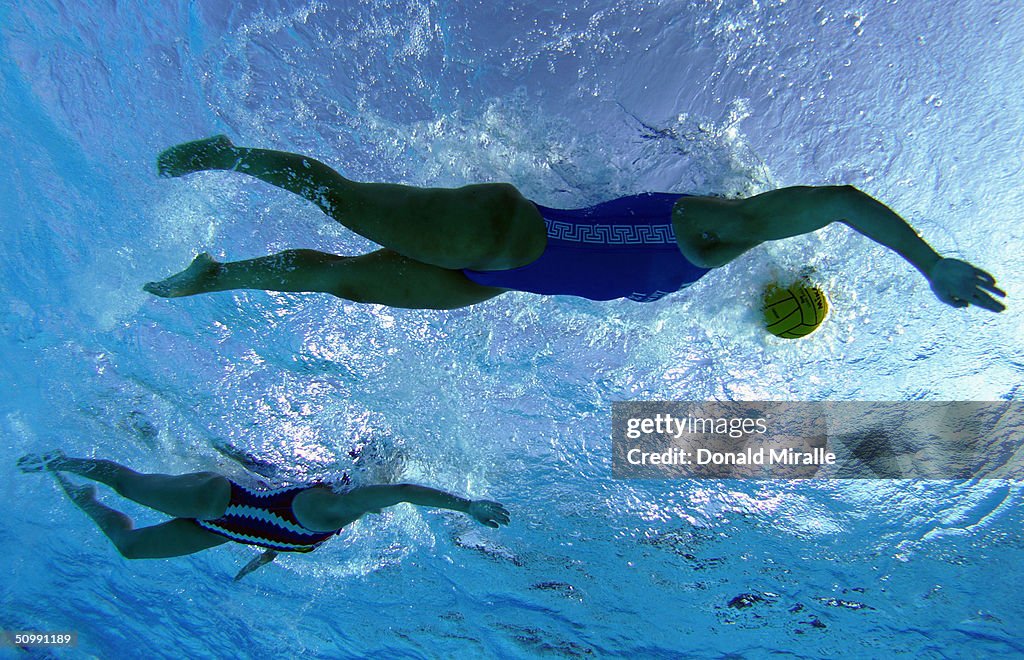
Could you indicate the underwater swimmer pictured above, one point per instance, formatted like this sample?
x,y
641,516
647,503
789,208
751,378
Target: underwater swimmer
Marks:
x,y
209,509
450,248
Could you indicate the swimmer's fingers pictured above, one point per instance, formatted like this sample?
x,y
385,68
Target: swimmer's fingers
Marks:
x,y
984,282
986,301
978,299
489,513
959,284
984,276
497,517
501,514
990,285
984,285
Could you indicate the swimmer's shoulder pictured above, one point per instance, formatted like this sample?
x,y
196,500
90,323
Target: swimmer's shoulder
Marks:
x,y
320,508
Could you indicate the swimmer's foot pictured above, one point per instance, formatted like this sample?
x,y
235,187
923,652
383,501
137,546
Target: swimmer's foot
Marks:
x,y
212,153
194,279
83,496
38,462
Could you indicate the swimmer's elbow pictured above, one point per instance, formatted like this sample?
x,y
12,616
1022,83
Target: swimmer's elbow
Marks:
x,y
846,203
846,192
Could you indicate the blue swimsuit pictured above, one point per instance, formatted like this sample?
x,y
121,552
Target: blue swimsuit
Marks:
x,y
625,248
265,518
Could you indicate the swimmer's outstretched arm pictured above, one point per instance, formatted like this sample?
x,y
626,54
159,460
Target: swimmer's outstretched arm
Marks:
x,y
371,499
730,227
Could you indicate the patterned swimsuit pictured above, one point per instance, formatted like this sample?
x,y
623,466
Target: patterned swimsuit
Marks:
x,y
265,518
625,248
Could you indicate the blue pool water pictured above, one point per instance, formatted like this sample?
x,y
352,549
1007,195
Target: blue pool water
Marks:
x,y
916,103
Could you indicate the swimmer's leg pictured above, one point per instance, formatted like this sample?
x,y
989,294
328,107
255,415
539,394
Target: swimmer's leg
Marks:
x,y
170,539
207,154
197,495
483,226
383,277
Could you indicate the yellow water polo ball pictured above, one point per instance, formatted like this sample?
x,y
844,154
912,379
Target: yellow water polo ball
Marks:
x,y
794,311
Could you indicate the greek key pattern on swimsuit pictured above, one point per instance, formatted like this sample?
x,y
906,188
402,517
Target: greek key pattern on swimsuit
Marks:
x,y
648,297
611,234
656,295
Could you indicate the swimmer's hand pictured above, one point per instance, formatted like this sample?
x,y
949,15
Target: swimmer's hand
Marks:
x,y
960,284
264,558
488,513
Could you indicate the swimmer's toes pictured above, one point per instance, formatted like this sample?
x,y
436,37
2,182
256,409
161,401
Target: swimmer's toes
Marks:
x,y
205,154
190,281
31,463
158,289
40,462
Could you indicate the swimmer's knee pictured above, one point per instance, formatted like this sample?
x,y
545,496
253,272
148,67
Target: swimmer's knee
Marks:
x,y
502,204
507,195
495,199
513,233
130,547
353,293
507,203
333,202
